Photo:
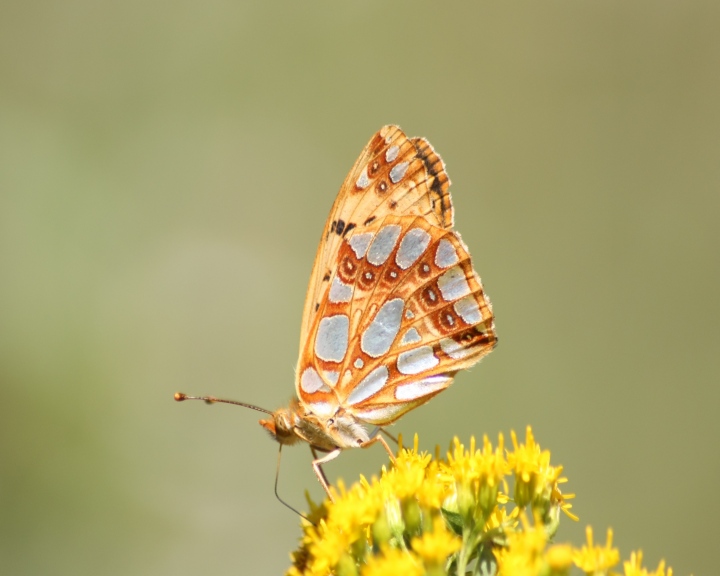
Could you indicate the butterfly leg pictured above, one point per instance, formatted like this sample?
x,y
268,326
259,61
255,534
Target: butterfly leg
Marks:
x,y
390,436
317,466
378,438
324,480
383,431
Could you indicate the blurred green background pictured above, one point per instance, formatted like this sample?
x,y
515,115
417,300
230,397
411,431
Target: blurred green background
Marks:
x,y
165,172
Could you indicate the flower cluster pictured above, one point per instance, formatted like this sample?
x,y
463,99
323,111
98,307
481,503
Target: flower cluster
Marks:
x,y
480,510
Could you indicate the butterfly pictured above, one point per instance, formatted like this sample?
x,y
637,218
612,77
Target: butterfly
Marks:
x,y
393,309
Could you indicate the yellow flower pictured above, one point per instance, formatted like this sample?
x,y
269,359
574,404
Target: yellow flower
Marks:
x,y
560,500
559,558
347,522
535,479
524,553
393,562
633,567
430,516
478,474
596,560
408,475
501,519
435,547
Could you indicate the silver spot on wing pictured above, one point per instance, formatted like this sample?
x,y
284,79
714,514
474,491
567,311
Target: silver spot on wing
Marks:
x,y
379,336
453,284
415,390
381,415
310,381
467,308
363,181
398,171
445,255
413,244
359,243
331,340
383,244
417,360
339,291
454,350
371,384
412,336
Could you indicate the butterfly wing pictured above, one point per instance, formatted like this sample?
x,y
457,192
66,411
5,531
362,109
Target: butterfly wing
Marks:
x,y
399,309
393,175
404,312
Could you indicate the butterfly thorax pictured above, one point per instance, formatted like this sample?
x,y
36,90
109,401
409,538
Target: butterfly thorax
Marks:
x,y
297,422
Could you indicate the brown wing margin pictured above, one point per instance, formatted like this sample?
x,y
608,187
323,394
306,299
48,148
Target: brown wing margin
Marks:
x,y
439,181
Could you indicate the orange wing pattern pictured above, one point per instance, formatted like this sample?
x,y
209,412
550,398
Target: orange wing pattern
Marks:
x,y
394,308
393,175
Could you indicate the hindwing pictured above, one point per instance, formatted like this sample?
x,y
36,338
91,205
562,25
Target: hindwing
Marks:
x,y
402,313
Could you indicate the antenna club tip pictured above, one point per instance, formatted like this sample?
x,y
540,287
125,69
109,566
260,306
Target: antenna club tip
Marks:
x,y
179,396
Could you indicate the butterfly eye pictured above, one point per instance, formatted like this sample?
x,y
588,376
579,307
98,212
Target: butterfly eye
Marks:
x,y
331,421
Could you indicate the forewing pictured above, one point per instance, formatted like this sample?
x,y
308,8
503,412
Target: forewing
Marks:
x,y
403,312
394,175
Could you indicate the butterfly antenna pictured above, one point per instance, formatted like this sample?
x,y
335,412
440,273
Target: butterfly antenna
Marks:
x,y
180,397
277,476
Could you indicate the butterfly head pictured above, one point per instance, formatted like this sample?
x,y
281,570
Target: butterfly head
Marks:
x,y
294,423
282,425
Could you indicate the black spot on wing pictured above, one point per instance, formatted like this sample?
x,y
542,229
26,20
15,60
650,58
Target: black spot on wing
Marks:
x,y
340,228
348,228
